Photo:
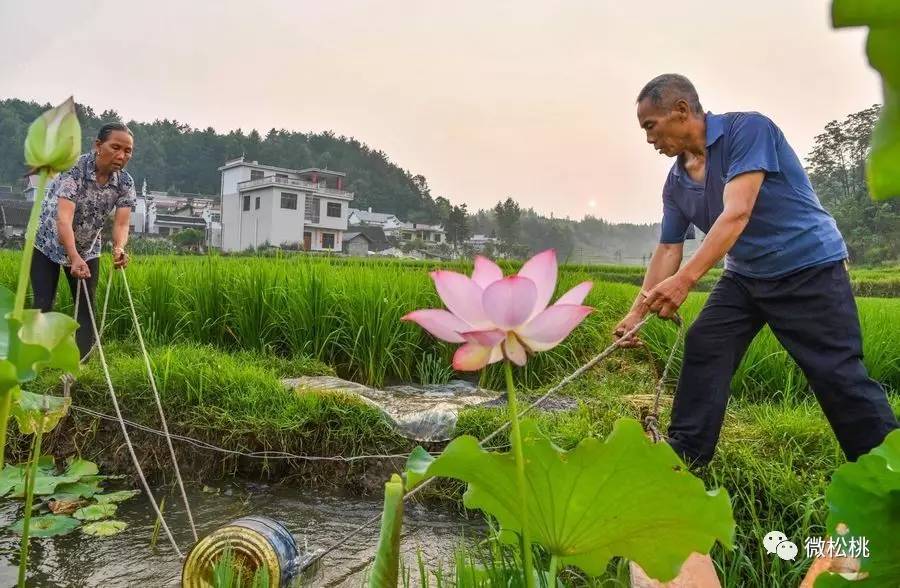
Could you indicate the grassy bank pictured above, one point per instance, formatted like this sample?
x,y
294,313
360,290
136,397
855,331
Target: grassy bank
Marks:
x,y
775,457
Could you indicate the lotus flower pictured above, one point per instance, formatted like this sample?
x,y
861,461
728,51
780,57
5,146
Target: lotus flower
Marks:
x,y
502,318
54,139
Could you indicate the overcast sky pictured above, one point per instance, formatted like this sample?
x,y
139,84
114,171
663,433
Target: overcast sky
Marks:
x,y
487,99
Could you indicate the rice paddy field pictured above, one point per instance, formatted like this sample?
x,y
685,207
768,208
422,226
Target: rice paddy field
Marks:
x,y
223,330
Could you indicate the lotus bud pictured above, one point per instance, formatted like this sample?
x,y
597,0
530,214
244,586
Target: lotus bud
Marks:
x,y
54,139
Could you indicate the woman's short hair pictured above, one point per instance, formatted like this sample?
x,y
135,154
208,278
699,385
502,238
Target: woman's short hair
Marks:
x,y
107,130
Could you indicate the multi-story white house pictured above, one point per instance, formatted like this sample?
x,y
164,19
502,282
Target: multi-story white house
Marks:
x,y
264,204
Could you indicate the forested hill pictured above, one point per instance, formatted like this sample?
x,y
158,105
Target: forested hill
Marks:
x,y
175,156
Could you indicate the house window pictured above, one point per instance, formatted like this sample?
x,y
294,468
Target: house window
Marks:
x,y
281,176
215,217
334,209
437,237
311,211
164,231
246,203
289,201
256,174
327,240
257,203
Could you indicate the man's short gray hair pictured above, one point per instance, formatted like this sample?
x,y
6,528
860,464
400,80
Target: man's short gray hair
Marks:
x,y
667,89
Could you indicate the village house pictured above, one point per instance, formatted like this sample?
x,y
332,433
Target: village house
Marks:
x,y
385,220
264,204
361,240
431,234
164,214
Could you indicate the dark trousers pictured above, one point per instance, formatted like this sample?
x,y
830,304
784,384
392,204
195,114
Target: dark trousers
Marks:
x,y
813,314
44,280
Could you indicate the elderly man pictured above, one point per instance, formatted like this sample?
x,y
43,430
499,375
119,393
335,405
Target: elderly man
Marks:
x,y
738,180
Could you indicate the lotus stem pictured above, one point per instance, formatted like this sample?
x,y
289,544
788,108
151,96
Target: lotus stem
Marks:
x,y
554,564
5,406
28,251
29,498
520,475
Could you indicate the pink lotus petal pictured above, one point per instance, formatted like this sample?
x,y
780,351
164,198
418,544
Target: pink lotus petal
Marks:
x,y
462,297
471,357
541,269
486,272
440,323
514,351
577,294
496,355
509,302
490,338
548,329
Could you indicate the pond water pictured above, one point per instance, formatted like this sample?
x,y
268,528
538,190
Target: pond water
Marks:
x,y
316,518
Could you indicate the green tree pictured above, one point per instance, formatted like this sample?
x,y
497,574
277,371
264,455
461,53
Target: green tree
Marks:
x,y
508,214
457,225
189,239
837,170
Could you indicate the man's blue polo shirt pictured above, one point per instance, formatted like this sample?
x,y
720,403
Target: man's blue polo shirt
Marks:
x,y
789,230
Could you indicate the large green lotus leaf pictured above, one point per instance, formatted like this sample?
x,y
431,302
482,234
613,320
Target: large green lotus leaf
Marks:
x,y
104,528
46,463
44,483
386,567
82,468
47,526
865,496
74,490
10,477
120,496
883,165
623,496
883,49
45,339
95,512
31,409
60,487
33,341
875,13
416,466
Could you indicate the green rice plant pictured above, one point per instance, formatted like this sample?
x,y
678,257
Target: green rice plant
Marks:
x,y
433,368
309,314
328,308
230,572
373,341
252,307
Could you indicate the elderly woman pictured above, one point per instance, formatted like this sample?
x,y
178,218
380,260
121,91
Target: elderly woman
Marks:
x,y
72,216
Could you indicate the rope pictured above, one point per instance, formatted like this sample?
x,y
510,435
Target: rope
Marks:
x,y
115,401
651,420
254,454
102,313
318,555
162,416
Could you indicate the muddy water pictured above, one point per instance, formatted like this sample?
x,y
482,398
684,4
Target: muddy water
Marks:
x,y
315,518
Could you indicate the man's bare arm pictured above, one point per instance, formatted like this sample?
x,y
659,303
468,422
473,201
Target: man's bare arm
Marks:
x,y
664,263
739,198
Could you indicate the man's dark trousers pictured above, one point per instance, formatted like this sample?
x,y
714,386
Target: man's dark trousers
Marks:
x,y
813,314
